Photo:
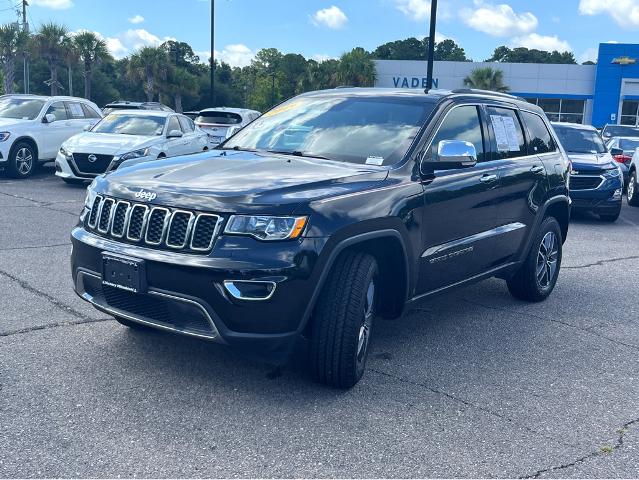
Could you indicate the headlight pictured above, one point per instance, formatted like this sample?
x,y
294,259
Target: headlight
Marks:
x,y
90,198
66,154
4,136
613,172
265,227
143,152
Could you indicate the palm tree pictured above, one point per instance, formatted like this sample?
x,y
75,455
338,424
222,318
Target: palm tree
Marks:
x,y
486,78
70,53
179,83
49,43
92,51
357,69
13,43
149,64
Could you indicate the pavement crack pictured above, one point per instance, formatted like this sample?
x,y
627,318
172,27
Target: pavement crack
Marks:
x,y
553,320
57,303
36,247
53,325
601,262
596,453
466,403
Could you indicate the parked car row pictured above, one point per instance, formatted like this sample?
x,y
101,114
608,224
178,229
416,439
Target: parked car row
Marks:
x,y
86,142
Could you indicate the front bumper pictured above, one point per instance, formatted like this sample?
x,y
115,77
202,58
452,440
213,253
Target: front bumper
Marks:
x,y
5,149
186,292
63,169
606,199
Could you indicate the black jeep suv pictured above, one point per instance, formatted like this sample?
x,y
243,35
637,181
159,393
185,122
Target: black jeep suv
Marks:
x,y
332,209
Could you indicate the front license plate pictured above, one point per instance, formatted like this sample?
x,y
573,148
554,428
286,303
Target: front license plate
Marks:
x,y
125,273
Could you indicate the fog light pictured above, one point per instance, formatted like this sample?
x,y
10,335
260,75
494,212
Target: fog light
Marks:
x,y
616,194
250,289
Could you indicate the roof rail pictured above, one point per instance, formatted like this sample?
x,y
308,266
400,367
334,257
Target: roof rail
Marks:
x,y
486,92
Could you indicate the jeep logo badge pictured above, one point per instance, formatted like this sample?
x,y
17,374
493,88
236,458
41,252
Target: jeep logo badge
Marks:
x,y
146,196
92,158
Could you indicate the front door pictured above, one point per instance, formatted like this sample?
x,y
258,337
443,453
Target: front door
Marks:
x,y
460,208
56,132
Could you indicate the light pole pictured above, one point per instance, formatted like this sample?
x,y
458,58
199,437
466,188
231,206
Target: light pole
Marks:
x,y
431,45
212,92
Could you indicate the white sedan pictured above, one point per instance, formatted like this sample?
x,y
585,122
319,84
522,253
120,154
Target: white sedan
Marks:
x,y
220,123
125,138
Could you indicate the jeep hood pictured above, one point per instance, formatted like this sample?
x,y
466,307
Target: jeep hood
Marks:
x,y
244,182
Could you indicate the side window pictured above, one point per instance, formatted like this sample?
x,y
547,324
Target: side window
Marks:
x,y
75,110
173,124
461,123
186,126
508,135
89,112
540,138
59,110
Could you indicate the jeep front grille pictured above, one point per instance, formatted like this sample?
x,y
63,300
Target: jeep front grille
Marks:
x,y
155,227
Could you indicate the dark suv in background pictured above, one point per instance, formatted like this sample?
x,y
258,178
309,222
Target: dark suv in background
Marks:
x,y
330,210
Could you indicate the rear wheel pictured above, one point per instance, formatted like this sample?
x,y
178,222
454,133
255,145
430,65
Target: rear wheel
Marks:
x,y
23,160
537,276
343,321
633,190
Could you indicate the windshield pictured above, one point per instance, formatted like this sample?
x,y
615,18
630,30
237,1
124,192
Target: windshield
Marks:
x,y
131,125
626,144
579,140
620,131
372,130
222,118
22,108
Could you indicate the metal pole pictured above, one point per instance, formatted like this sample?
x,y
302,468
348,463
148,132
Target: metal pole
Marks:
x,y
25,62
431,44
212,92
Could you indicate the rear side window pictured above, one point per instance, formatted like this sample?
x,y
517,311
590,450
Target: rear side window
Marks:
x,y
89,112
187,125
173,124
222,118
461,123
540,138
75,110
508,136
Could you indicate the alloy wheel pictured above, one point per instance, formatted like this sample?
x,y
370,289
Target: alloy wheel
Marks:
x,y
631,187
367,322
547,259
24,161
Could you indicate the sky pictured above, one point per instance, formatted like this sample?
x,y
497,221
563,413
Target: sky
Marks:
x,y
324,29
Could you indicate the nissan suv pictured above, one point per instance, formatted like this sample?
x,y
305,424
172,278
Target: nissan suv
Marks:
x,y
329,211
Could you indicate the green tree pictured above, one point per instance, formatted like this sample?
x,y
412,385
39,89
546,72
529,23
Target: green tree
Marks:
x,y
50,42
179,83
13,44
408,49
527,55
180,54
486,78
150,65
356,68
70,56
92,51
448,50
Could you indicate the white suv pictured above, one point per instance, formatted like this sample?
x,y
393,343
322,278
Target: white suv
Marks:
x,y
33,127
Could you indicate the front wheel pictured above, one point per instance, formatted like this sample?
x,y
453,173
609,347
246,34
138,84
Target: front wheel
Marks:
x,y
22,160
343,321
633,190
537,276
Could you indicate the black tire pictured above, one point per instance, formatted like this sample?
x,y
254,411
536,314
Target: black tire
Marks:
x,y
343,320
526,284
610,218
74,181
131,324
23,160
633,190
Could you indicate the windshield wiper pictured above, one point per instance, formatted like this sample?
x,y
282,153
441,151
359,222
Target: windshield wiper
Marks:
x,y
236,148
298,153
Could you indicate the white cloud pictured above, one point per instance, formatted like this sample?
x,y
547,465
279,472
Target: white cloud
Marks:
x,y
498,20
54,4
541,42
589,55
624,12
322,57
135,19
236,55
331,17
115,46
414,9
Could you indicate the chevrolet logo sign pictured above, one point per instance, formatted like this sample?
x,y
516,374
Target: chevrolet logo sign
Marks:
x,y
624,61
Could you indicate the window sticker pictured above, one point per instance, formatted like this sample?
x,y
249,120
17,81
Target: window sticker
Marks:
x,y
76,110
505,133
374,160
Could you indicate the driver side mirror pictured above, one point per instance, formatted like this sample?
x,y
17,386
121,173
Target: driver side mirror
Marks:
x,y
48,118
174,134
616,151
451,155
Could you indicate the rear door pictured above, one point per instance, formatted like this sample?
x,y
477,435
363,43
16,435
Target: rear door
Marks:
x,y
460,208
176,146
526,143
195,141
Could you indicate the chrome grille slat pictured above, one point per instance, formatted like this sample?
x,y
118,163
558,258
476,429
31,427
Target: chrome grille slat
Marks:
x,y
153,226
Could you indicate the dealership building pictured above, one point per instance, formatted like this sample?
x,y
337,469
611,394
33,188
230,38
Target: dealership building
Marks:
x,y
594,94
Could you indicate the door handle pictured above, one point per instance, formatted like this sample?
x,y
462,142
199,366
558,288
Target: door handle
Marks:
x,y
537,169
488,178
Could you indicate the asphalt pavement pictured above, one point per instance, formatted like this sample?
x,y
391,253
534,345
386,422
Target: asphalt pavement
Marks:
x,y
472,384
